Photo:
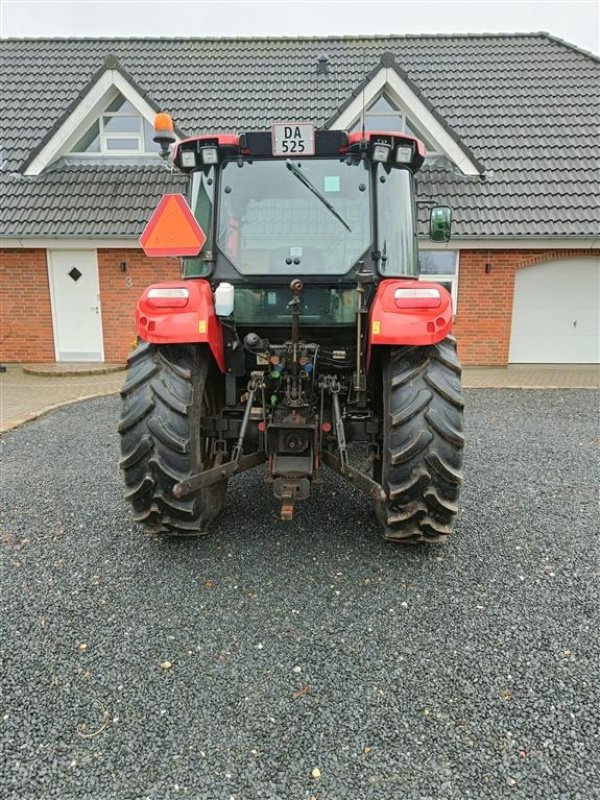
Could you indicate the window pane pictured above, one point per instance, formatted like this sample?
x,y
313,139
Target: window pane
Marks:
x,y
375,122
412,130
121,104
149,145
90,141
202,204
396,224
318,306
121,124
382,104
112,143
448,285
269,217
437,262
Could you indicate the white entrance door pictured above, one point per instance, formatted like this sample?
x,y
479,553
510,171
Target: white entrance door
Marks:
x,y
556,313
75,295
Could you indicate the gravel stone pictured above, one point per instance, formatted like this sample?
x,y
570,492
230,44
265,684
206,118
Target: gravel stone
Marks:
x,y
466,671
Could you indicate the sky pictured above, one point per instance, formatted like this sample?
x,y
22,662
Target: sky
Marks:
x,y
576,21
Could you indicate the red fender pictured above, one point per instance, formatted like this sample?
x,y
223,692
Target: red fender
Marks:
x,y
181,320
408,320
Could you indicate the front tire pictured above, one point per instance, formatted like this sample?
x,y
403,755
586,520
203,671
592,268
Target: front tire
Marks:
x,y
422,448
167,391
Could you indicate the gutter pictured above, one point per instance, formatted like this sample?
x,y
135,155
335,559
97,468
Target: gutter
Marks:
x,y
490,243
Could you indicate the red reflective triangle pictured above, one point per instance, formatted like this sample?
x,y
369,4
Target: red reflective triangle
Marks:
x,y
172,230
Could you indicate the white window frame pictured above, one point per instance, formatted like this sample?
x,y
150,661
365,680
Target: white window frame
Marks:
x,y
389,81
451,278
104,136
87,111
430,154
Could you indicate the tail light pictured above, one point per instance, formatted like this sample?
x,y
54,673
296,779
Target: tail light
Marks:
x,y
164,297
417,298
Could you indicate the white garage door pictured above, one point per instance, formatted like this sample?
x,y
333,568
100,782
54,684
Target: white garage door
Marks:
x,y
556,313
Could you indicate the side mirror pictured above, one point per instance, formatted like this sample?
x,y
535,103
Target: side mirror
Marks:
x,y
440,224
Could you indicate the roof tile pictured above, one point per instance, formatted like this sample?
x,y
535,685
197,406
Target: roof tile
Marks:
x,y
524,105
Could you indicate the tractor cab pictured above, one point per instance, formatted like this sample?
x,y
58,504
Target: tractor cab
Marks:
x,y
336,200
311,206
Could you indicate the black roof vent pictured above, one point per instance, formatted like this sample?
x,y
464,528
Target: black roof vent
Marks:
x,y
322,65
111,61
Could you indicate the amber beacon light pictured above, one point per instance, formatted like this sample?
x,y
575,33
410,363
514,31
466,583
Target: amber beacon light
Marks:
x,y
164,133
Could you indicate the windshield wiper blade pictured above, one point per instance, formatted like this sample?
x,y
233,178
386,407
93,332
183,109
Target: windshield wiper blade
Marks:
x,y
303,179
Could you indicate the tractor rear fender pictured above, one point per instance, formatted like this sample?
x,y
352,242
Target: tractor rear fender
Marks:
x,y
409,312
180,312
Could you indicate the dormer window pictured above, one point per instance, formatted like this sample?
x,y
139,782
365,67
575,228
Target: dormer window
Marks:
x,y
382,115
119,131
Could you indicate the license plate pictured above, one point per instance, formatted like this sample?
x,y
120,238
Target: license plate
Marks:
x,y
293,139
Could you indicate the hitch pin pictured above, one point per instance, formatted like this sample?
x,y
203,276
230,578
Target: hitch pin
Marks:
x,y
287,507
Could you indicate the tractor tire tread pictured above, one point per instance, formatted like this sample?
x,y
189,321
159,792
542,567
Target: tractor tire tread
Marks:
x,y
137,453
140,488
411,448
139,352
157,426
163,392
446,391
445,430
423,442
140,408
138,375
159,429
421,399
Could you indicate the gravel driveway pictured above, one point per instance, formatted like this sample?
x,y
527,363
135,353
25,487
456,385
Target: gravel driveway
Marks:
x,y
467,671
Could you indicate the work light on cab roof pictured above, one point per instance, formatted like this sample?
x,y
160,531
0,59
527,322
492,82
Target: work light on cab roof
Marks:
x,y
300,327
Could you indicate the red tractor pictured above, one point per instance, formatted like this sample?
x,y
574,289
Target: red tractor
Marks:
x,y
299,335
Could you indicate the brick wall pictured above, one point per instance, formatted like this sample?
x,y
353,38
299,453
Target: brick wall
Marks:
x,y
482,325
25,313
485,300
120,291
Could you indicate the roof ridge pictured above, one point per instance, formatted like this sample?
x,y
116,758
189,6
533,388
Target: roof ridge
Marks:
x,y
312,38
568,45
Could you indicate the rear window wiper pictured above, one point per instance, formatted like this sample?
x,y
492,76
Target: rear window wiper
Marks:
x,y
303,179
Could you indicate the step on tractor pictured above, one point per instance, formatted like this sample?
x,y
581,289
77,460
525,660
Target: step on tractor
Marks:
x,y
299,336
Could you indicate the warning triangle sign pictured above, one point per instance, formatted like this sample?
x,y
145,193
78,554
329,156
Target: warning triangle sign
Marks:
x,y
172,230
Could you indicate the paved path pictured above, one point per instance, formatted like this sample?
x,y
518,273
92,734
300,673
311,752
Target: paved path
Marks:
x,y
533,376
25,396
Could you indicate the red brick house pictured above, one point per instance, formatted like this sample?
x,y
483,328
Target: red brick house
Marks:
x,y
509,122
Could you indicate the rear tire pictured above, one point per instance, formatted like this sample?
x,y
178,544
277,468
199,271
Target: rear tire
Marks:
x,y
167,391
422,442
